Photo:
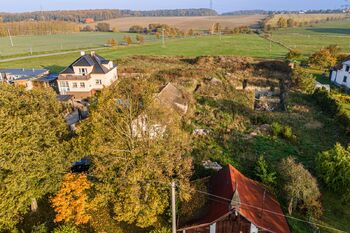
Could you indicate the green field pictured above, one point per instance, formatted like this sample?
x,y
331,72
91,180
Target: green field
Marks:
x,y
71,41
240,45
310,39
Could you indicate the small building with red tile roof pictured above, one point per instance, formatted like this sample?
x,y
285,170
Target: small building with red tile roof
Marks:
x,y
89,20
238,204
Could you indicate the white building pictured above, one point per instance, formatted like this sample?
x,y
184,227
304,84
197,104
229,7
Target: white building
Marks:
x,y
341,74
87,75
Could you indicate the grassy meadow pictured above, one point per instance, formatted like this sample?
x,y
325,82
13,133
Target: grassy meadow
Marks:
x,y
239,45
311,38
72,41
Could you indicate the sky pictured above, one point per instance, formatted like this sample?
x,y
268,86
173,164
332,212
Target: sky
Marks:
x,y
219,5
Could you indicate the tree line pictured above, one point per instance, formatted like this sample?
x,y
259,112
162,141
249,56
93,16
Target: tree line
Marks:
x,y
99,15
282,21
37,28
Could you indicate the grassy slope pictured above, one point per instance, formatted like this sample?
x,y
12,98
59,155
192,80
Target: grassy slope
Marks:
x,y
239,45
310,39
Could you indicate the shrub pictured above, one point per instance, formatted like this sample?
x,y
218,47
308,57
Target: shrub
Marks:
x,y
323,59
66,229
264,172
161,230
277,129
42,228
288,133
333,167
285,132
303,81
331,106
293,54
300,188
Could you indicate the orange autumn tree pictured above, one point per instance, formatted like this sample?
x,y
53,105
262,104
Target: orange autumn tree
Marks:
x,y
71,201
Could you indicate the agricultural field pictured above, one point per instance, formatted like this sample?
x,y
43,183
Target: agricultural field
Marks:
x,y
185,23
312,38
58,42
249,45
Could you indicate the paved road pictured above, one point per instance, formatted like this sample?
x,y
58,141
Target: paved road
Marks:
x,y
46,55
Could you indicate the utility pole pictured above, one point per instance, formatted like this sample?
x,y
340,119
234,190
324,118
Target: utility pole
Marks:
x,y
163,38
173,206
8,30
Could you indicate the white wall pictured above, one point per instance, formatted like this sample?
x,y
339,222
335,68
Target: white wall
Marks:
x,y
107,80
339,75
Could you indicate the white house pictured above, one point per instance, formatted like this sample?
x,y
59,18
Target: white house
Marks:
x,y
340,75
87,75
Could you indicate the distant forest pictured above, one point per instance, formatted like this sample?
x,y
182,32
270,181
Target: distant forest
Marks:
x,y
99,15
37,28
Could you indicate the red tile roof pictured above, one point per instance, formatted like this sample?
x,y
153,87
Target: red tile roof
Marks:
x,y
265,213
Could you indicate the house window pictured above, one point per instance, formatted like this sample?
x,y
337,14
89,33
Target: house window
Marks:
x,y
64,84
82,85
347,68
75,85
98,81
345,79
83,71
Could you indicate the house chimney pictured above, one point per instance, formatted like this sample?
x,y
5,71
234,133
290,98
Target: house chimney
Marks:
x,y
33,70
82,53
93,53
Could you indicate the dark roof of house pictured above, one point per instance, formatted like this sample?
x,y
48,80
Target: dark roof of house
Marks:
x,y
48,78
249,198
339,66
25,73
89,60
64,98
172,97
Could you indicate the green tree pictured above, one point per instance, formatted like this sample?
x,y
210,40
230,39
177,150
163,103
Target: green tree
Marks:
x,y
300,188
103,27
303,80
290,22
334,169
263,171
137,147
33,149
